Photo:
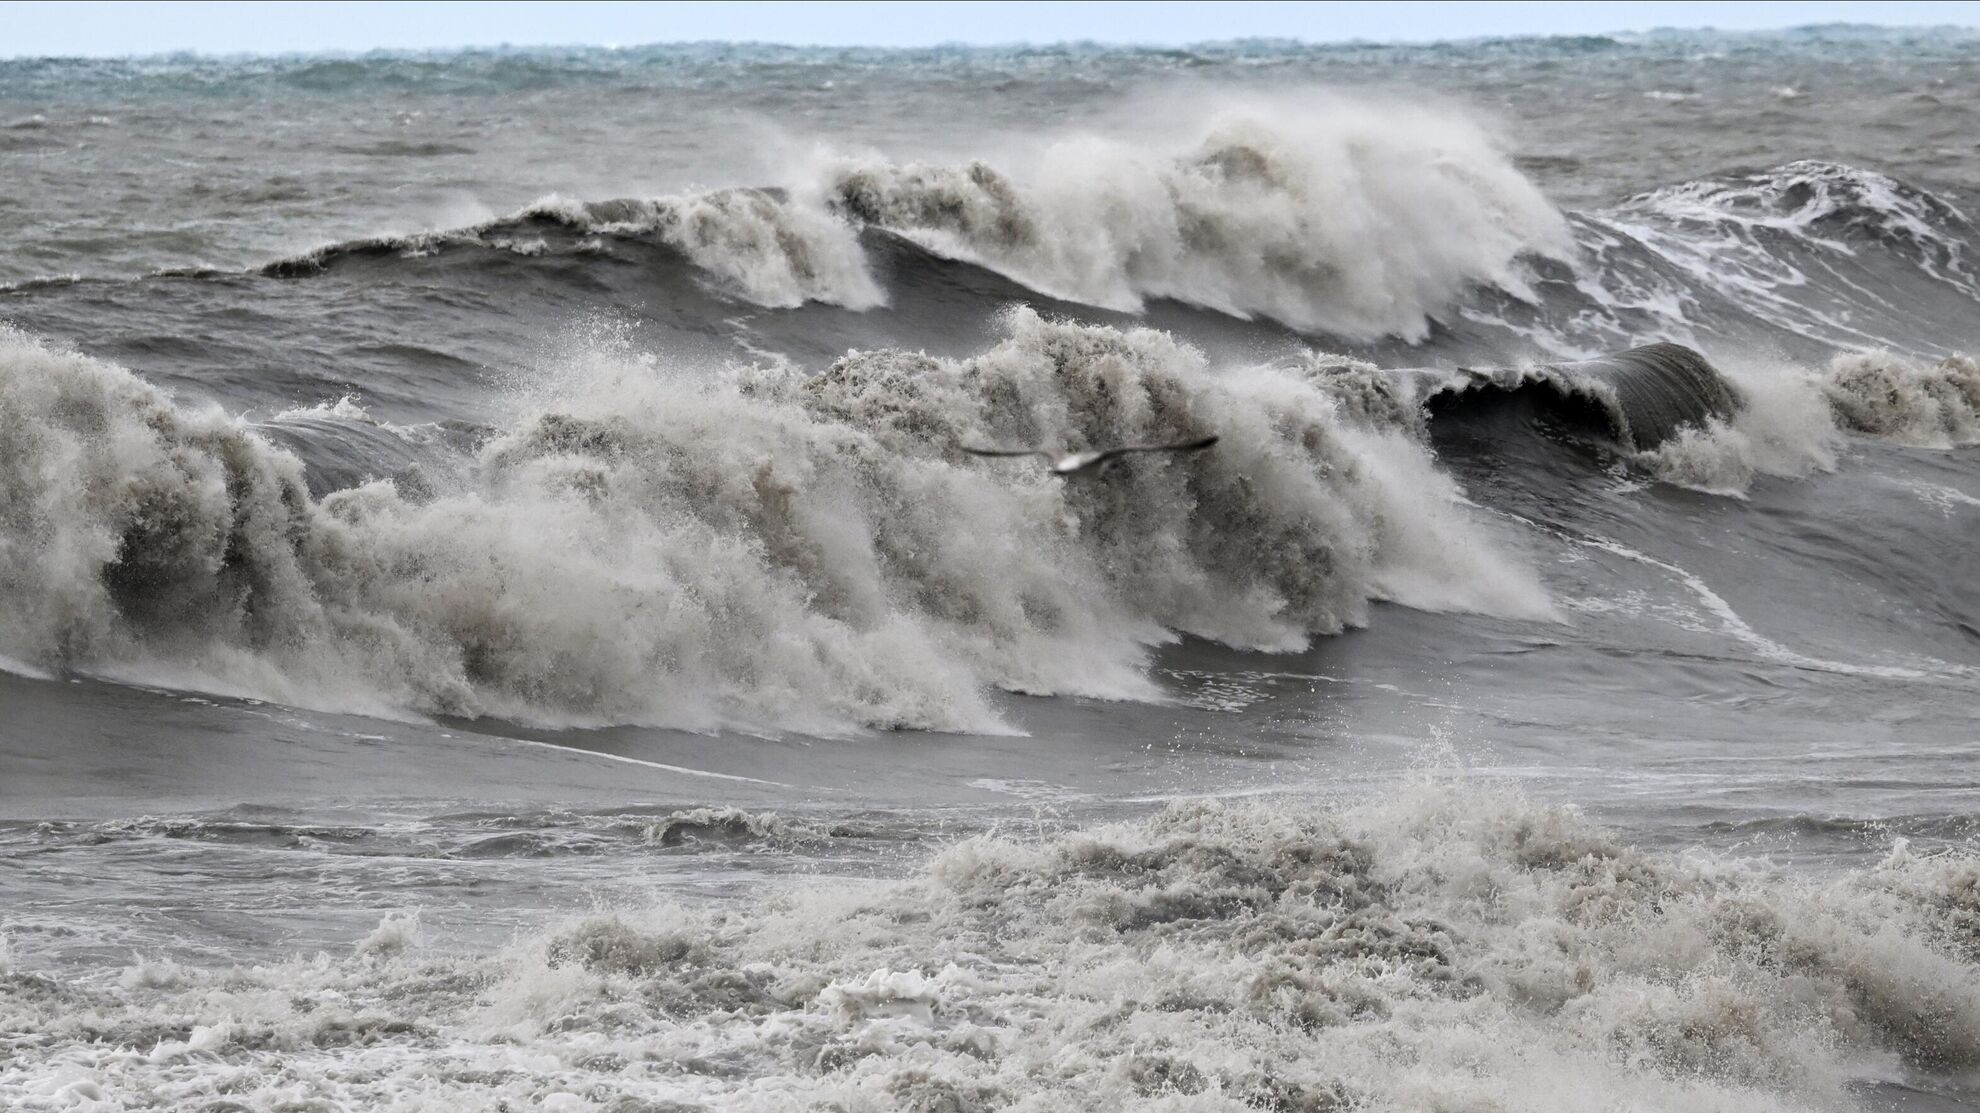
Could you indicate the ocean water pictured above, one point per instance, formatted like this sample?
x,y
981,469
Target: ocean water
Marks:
x,y
494,613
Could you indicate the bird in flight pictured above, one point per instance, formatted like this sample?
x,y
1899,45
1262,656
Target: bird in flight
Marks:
x,y
1065,464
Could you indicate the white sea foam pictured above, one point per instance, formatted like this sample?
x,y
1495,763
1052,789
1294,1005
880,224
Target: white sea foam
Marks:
x,y
1944,499
1443,947
1930,405
1791,419
346,408
1783,427
769,549
395,934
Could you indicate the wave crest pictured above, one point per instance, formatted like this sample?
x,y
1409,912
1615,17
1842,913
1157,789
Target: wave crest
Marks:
x,y
777,249
765,246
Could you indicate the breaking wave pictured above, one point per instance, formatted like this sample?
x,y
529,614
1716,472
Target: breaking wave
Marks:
x,y
768,548
1347,220
1445,947
1643,396
1792,419
1784,428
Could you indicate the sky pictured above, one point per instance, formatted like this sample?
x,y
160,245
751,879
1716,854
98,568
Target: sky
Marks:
x,y
121,28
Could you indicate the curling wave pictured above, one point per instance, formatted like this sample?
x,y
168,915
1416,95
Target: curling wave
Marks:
x,y
1643,396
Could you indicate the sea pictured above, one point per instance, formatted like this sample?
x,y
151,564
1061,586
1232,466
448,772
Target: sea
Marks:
x,y
497,613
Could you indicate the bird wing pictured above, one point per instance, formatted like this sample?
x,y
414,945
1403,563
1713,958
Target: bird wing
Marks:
x,y
1197,445
975,451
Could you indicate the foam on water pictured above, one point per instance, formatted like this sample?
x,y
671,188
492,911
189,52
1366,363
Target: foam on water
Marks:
x,y
1784,427
1907,401
645,545
1791,419
1446,946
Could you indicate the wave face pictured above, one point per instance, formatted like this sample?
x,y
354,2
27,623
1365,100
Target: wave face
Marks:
x,y
1443,948
781,550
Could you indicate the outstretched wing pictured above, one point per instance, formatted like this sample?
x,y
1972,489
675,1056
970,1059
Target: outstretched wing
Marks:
x,y
975,451
1197,445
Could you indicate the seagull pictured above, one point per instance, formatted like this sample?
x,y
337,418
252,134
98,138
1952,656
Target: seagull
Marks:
x,y
1070,464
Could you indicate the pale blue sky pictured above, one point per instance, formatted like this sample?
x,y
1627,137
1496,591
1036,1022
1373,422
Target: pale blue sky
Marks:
x,y
37,28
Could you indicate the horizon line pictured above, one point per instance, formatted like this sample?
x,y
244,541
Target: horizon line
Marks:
x,y
1620,34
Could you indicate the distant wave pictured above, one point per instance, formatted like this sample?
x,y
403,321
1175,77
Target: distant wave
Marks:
x,y
1351,220
1849,257
1322,231
757,243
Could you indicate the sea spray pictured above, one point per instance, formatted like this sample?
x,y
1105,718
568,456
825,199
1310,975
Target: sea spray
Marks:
x,y
1358,220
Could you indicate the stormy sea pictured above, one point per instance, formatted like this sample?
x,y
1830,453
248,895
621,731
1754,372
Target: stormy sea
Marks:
x,y
496,613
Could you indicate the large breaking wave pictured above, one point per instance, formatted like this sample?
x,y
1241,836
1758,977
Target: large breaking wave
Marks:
x,y
768,548
1345,220
775,548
